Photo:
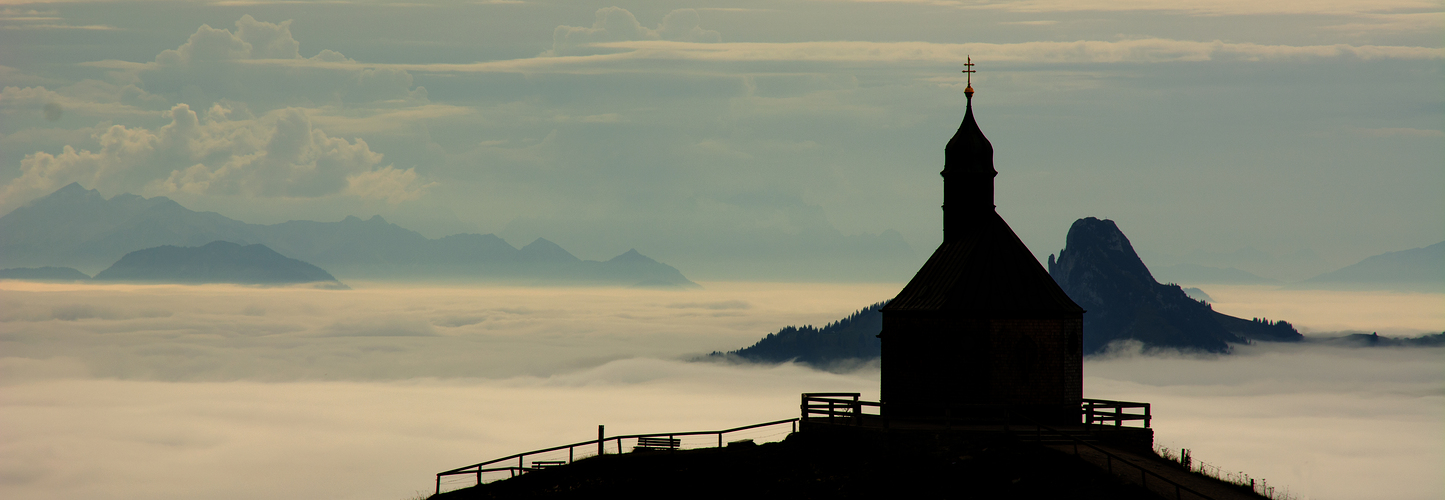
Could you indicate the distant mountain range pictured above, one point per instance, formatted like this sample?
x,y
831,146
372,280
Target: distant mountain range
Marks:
x,y
1196,274
216,262
1099,269
1375,340
80,228
43,274
1420,269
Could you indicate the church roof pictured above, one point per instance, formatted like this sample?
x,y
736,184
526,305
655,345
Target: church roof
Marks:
x,y
986,271
968,151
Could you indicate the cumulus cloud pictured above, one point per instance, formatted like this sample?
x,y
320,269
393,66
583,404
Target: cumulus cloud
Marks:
x,y
252,40
211,66
279,154
618,24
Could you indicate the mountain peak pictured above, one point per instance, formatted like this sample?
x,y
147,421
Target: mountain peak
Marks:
x,y
73,189
69,194
1100,271
1103,237
542,250
632,255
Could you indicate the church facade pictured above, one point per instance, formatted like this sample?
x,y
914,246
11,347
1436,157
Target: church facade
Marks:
x,y
982,324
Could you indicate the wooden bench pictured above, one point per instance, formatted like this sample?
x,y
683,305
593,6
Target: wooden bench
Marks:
x,y
544,464
657,443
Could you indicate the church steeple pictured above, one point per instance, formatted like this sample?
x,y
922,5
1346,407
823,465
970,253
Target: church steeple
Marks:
x,y
967,172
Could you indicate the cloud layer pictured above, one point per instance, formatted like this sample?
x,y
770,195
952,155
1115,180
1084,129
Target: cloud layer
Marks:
x,y
120,391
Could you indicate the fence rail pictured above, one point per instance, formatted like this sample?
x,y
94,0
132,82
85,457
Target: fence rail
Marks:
x,y
846,407
832,407
1258,485
602,445
1093,410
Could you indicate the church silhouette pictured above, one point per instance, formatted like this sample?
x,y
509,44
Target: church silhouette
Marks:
x,y
982,322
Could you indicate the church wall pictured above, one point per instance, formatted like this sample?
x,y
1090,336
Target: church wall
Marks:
x,y
1038,363
933,363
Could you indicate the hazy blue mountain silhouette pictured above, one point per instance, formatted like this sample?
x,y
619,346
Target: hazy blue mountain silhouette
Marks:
x,y
1195,274
215,262
1099,269
851,339
1418,269
1375,340
79,228
43,274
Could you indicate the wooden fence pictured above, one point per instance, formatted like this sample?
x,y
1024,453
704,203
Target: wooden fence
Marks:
x,y
530,461
847,408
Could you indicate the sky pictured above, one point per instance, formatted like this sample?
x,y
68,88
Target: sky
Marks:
x,y
751,140
221,392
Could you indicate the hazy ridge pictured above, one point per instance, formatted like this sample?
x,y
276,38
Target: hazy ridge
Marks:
x,y
215,262
76,227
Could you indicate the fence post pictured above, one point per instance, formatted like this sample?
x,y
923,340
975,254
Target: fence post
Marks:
x,y
719,440
439,483
1147,416
1118,415
600,451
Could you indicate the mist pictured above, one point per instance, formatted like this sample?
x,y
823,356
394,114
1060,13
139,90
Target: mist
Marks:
x,y
162,391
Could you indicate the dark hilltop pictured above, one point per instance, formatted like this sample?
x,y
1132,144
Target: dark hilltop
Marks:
x,y
216,262
1099,269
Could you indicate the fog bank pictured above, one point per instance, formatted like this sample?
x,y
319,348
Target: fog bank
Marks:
x,y
122,391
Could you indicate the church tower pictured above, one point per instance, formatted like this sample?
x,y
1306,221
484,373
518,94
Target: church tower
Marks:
x,y
982,323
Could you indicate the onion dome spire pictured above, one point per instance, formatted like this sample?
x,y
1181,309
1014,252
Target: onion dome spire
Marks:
x,y
967,171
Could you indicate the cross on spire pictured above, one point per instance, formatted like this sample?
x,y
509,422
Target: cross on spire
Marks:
x,y
969,71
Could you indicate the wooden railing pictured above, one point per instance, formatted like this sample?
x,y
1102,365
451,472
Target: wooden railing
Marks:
x,y
846,407
837,407
601,445
1096,411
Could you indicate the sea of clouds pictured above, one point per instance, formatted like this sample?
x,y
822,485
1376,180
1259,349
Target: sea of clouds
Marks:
x,y
128,391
